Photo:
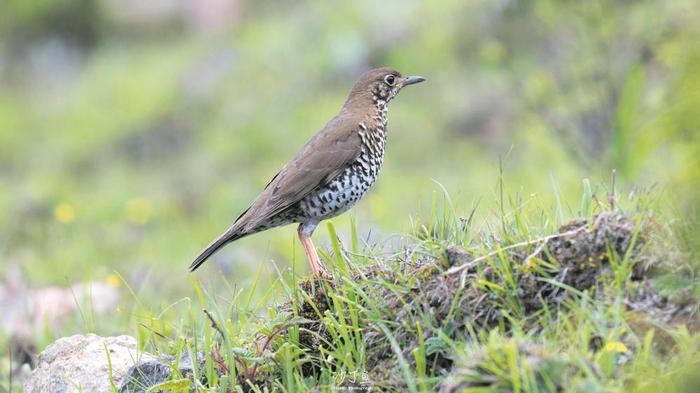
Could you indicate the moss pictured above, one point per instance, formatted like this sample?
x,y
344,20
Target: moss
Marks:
x,y
427,303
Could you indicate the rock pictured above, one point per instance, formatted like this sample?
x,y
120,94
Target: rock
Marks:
x,y
80,364
149,373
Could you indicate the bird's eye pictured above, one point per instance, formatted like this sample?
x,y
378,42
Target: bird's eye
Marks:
x,y
389,80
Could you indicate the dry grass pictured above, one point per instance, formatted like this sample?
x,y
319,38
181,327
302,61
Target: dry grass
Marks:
x,y
412,315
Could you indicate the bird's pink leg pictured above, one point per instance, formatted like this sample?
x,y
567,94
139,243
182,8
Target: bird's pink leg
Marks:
x,y
311,254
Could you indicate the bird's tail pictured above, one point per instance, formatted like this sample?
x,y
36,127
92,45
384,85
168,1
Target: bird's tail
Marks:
x,y
216,245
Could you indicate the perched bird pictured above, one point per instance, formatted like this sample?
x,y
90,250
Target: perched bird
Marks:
x,y
330,173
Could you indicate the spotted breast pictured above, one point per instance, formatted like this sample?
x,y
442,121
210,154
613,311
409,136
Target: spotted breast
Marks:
x,y
341,193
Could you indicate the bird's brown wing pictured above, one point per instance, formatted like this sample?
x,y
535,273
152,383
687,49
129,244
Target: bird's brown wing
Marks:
x,y
323,158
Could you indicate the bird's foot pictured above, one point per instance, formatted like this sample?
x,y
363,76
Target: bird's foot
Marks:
x,y
324,274
318,271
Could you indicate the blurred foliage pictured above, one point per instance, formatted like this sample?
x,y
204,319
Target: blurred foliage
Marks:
x,y
131,133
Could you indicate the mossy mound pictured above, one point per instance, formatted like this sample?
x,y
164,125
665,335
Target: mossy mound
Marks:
x,y
426,304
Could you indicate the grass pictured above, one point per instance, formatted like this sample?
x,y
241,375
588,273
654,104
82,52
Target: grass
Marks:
x,y
120,169
506,307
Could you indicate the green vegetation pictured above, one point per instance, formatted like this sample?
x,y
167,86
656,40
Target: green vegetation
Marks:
x,y
524,307
129,138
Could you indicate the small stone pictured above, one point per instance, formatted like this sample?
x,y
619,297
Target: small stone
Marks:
x,y
152,372
80,364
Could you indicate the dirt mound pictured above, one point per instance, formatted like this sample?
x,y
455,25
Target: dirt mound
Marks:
x,y
432,302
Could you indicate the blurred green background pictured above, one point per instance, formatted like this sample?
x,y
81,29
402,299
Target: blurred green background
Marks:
x,y
132,132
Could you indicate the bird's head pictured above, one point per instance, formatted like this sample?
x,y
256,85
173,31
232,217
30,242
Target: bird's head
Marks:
x,y
380,85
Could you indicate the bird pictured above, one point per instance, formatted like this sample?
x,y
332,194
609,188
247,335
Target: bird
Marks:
x,y
333,171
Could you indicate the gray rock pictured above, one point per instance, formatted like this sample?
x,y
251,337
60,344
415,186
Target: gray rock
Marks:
x,y
149,373
80,364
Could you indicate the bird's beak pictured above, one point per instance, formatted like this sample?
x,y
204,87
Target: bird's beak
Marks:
x,y
412,80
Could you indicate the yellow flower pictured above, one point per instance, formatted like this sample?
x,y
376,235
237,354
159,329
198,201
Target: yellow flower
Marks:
x,y
114,281
529,263
138,210
615,346
64,213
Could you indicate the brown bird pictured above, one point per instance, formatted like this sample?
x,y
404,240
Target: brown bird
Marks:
x,y
330,173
